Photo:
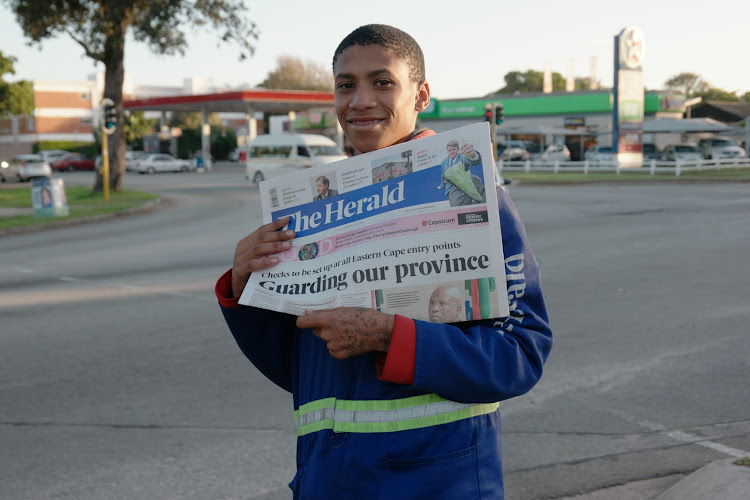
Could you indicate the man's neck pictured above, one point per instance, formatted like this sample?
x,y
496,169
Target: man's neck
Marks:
x,y
408,138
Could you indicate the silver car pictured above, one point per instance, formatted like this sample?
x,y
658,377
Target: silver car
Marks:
x,y
30,166
683,152
149,164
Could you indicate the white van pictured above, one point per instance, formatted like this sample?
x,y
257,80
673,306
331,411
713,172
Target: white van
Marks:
x,y
279,154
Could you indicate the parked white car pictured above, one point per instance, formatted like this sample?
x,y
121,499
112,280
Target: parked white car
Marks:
x,y
600,155
130,158
556,152
160,162
682,152
52,155
8,171
718,148
30,166
515,153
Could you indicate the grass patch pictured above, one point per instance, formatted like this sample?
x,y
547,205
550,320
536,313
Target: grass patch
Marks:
x,y
82,202
745,461
727,175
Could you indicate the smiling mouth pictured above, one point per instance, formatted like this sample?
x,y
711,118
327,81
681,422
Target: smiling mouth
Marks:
x,y
364,122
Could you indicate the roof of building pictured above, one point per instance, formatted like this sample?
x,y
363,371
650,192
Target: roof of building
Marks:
x,y
741,109
270,101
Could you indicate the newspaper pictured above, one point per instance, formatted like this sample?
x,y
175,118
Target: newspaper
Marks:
x,y
393,234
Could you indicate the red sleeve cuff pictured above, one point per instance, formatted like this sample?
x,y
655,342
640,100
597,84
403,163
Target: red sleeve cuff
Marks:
x,y
224,291
398,364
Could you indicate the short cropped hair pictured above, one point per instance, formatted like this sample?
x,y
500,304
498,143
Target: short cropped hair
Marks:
x,y
388,37
453,143
323,179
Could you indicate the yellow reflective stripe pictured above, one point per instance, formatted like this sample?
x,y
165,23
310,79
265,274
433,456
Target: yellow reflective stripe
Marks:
x,y
384,415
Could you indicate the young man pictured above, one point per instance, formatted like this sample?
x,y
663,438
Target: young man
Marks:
x,y
386,406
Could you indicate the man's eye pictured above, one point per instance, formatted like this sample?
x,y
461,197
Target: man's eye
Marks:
x,y
382,83
345,85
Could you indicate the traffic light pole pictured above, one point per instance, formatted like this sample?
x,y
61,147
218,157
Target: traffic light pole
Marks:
x,y
105,165
109,126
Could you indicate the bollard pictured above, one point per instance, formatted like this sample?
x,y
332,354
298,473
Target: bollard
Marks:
x,y
653,166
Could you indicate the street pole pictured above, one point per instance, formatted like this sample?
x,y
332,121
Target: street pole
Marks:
x,y
109,121
105,165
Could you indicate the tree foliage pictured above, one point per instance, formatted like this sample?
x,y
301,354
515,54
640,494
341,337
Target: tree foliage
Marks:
x,y
292,73
693,85
100,28
533,81
717,94
136,125
687,83
16,98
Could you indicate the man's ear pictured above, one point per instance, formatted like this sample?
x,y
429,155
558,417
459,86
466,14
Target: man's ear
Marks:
x,y
423,96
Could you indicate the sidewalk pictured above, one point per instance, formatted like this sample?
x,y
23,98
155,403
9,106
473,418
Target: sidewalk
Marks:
x,y
719,480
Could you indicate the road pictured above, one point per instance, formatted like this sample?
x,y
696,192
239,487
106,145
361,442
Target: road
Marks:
x,y
118,378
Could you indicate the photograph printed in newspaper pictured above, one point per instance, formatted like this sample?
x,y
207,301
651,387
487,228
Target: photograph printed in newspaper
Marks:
x,y
412,229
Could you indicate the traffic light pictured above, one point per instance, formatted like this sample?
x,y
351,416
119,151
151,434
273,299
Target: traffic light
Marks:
x,y
499,114
488,112
109,123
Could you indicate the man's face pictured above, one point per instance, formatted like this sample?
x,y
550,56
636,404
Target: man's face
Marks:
x,y
445,305
322,188
376,101
452,151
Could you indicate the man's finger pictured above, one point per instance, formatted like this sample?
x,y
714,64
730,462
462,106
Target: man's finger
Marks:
x,y
311,319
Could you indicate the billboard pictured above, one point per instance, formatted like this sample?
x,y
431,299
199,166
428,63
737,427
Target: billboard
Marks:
x,y
628,106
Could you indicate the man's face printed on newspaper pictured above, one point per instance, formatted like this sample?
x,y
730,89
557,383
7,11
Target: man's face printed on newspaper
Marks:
x,y
446,305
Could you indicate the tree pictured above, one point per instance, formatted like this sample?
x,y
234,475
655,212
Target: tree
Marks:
x,y
529,81
693,85
717,94
687,83
292,73
100,27
16,98
136,126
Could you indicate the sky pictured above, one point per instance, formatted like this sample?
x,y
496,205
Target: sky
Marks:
x,y
469,45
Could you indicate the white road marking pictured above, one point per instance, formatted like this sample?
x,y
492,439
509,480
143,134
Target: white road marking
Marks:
x,y
680,435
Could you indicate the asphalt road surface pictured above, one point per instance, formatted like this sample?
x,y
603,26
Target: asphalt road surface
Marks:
x,y
119,379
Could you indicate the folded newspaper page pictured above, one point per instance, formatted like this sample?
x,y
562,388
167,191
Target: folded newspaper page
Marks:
x,y
412,229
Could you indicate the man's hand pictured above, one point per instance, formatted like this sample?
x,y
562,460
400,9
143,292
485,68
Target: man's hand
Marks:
x,y
467,149
255,252
350,331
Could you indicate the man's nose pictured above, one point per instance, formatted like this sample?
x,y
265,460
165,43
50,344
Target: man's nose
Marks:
x,y
362,99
